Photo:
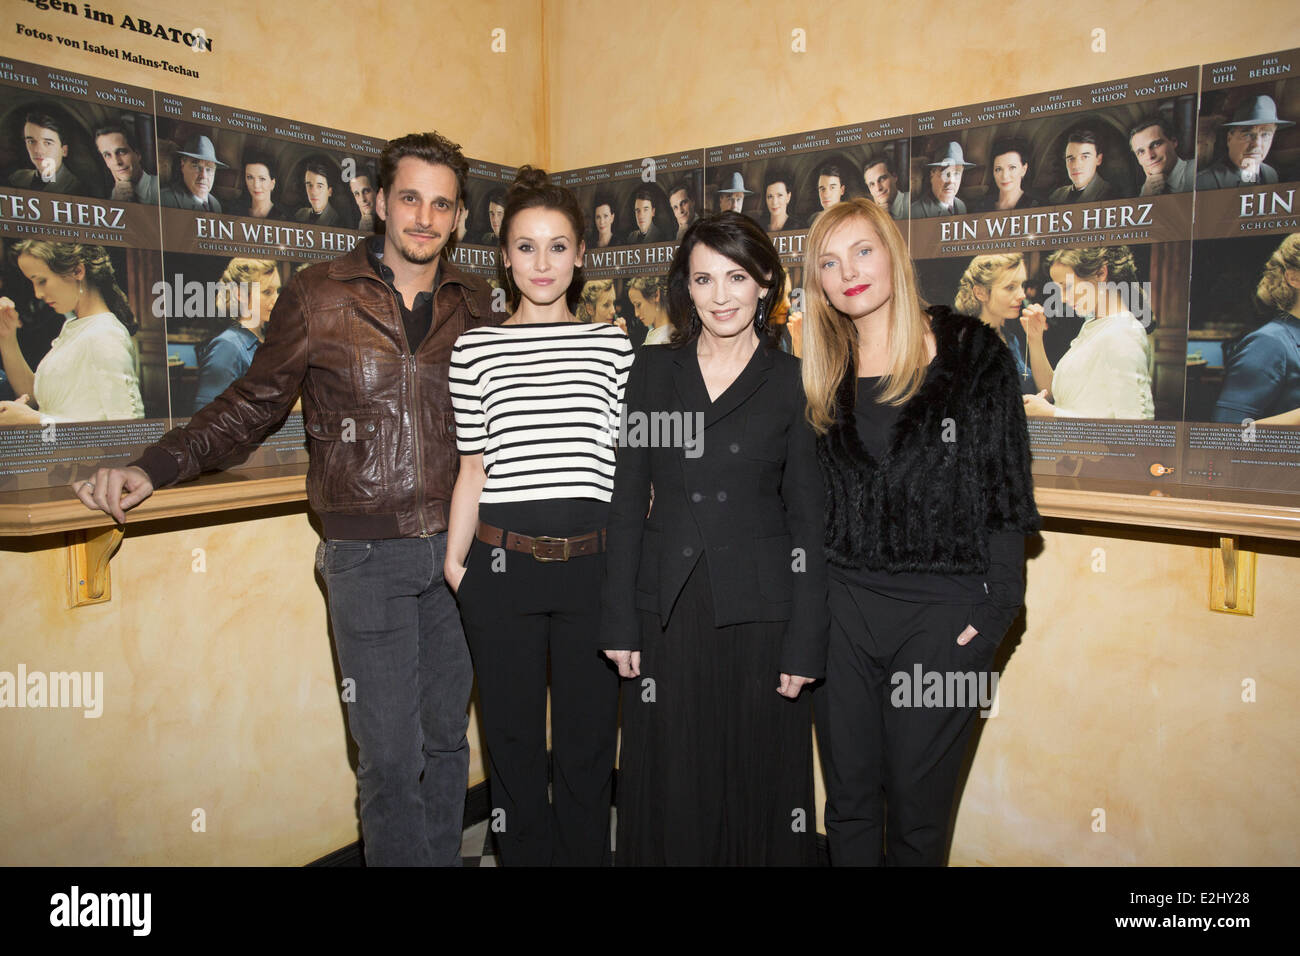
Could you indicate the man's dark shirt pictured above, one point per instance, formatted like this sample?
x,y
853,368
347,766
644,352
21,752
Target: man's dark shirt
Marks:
x,y
417,320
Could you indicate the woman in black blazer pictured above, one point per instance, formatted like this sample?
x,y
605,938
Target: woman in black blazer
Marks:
x,y
715,591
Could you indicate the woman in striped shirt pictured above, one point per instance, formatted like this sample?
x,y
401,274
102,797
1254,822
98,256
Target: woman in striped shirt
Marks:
x,y
536,401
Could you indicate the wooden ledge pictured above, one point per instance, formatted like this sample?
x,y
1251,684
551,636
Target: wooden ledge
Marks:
x,y
47,510
1217,511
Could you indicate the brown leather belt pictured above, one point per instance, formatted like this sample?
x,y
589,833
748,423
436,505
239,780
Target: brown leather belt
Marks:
x,y
543,548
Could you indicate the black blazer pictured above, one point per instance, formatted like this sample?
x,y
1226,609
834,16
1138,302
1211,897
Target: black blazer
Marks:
x,y
750,494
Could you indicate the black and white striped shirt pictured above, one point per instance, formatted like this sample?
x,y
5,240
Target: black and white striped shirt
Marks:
x,y
541,403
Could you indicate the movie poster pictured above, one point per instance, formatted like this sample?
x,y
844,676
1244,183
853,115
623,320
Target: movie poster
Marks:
x,y
476,247
84,372
1064,220
247,200
636,211
784,182
1243,349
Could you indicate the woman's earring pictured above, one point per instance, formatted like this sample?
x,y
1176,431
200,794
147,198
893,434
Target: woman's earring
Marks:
x,y
760,322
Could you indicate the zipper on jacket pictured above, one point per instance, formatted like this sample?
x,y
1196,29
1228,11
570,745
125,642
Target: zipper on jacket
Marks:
x,y
413,405
419,451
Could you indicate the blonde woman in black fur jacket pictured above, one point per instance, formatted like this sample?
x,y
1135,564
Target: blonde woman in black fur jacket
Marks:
x,y
925,454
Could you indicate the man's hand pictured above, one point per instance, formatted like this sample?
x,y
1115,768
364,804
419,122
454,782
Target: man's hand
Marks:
x,y
123,191
1154,186
629,662
103,490
792,684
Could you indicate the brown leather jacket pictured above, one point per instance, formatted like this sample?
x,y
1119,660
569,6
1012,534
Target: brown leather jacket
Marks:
x,y
380,430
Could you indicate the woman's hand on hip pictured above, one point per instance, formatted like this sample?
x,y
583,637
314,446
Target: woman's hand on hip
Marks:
x,y
966,636
791,684
629,662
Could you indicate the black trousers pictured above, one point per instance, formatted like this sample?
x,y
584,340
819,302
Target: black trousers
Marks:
x,y
891,747
515,610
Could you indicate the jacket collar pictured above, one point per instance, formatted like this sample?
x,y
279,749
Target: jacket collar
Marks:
x,y
689,381
356,265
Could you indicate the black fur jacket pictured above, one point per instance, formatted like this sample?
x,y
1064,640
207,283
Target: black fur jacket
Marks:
x,y
957,469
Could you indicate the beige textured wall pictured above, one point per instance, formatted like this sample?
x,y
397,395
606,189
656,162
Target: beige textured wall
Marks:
x,y
630,79
381,67
1125,693
220,693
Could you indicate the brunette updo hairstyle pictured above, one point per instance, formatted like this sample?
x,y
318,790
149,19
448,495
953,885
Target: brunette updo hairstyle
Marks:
x,y
533,189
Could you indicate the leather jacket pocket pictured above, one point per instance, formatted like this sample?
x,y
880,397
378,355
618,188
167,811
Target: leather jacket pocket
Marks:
x,y
347,466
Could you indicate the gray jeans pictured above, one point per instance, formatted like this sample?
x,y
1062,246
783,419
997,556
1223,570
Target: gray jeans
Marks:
x,y
406,681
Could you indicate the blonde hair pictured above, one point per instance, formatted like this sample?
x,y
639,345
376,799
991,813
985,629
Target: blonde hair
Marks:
x,y
983,271
1273,288
591,293
241,272
830,340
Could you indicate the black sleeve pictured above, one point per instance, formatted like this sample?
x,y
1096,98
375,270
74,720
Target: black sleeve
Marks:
x,y
628,506
803,652
1005,583
1006,475
1006,462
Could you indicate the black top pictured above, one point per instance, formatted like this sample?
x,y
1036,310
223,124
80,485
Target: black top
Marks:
x,y
243,206
989,203
417,320
997,594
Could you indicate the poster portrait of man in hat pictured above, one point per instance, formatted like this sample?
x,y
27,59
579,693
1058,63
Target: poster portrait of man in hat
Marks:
x,y
732,193
939,195
1246,140
191,186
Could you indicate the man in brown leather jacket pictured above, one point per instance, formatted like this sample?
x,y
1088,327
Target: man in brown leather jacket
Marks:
x,y
367,337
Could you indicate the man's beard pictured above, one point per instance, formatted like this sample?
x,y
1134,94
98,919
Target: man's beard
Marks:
x,y
412,256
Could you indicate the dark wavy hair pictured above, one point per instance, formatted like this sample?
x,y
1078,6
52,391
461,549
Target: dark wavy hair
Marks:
x,y
745,243
432,148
